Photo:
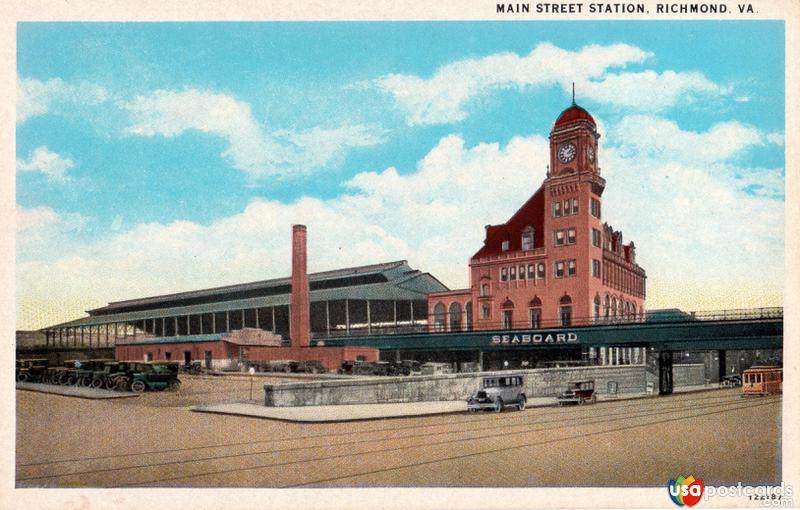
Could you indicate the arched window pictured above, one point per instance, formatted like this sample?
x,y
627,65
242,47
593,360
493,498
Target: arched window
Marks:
x,y
468,315
614,308
455,316
565,310
606,308
438,317
527,238
535,313
633,311
508,314
596,308
484,289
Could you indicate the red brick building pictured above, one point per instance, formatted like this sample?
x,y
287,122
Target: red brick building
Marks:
x,y
555,262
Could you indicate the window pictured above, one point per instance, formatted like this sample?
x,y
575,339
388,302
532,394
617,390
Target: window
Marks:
x,y
527,238
484,289
594,207
521,272
574,206
531,272
504,246
438,317
503,274
567,210
556,209
596,308
606,307
455,316
559,269
486,311
571,236
513,273
468,315
595,237
565,311
596,268
571,268
559,237
534,317
508,316
540,270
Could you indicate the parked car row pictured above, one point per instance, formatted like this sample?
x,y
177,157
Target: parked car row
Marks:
x,y
402,367
287,366
108,374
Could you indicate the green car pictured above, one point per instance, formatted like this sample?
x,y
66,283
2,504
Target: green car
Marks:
x,y
143,376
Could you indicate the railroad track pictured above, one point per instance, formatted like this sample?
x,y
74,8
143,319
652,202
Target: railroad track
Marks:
x,y
375,448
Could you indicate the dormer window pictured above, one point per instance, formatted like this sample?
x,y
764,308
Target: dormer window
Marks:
x,y
504,246
527,238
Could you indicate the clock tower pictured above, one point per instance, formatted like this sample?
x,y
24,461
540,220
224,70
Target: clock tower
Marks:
x,y
573,143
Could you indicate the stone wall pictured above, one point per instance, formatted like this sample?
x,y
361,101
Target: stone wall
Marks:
x,y
688,374
546,382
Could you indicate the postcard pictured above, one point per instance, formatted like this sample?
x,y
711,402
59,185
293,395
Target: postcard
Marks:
x,y
406,254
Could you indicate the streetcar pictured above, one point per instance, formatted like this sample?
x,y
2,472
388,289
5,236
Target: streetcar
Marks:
x,y
762,381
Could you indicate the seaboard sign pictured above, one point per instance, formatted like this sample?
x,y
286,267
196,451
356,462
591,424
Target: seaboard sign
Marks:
x,y
535,339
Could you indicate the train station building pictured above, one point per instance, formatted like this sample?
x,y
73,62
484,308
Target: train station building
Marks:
x,y
556,262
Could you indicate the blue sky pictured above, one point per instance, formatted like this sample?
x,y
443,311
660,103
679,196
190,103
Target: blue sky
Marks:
x,y
164,157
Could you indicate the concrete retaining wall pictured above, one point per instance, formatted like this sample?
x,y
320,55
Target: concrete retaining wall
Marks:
x,y
688,374
546,382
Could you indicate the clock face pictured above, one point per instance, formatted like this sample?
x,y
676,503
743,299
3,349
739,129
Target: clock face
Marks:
x,y
566,153
590,153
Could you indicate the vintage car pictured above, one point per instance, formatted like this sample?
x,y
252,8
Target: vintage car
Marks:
x,y
31,370
579,392
730,381
307,367
141,376
432,368
407,367
497,392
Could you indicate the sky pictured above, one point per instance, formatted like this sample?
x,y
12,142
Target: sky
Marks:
x,y
163,157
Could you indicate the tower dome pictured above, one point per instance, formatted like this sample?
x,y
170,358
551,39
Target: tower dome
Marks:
x,y
573,114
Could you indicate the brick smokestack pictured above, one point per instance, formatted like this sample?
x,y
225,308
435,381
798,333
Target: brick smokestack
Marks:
x,y
300,321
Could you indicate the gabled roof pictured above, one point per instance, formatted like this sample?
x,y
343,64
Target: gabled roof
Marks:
x,y
531,213
347,277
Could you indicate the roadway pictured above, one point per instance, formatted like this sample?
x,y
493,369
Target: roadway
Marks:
x,y
154,441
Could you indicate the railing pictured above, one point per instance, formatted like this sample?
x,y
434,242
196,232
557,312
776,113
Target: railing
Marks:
x,y
658,317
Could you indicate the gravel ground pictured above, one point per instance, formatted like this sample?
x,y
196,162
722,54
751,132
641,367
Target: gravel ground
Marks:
x,y
155,441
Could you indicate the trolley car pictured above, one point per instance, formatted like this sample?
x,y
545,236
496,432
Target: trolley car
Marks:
x,y
762,381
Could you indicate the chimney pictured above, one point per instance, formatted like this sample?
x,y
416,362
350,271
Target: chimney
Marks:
x,y
300,321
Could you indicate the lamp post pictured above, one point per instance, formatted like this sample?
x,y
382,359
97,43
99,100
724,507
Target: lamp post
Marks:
x,y
252,372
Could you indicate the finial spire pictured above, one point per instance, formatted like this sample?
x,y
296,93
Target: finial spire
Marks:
x,y
573,93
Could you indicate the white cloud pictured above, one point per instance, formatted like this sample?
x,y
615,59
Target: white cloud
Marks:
x,y
42,233
776,138
442,98
433,217
700,219
693,223
662,138
35,97
251,149
51,164
648,90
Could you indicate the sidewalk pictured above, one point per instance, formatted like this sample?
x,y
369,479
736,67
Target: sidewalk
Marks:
x,y
74,391
355,412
